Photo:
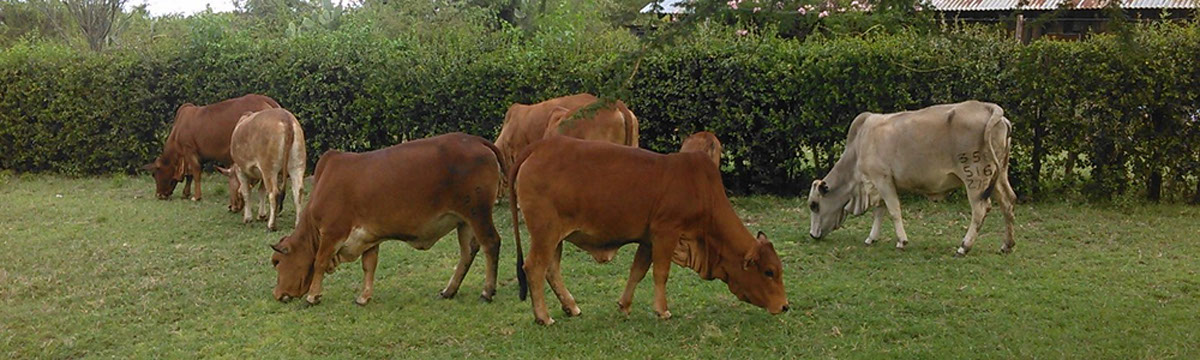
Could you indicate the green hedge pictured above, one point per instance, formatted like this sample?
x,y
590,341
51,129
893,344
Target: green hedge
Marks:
x,y
1123,106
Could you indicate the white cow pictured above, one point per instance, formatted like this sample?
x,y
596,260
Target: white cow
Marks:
x,y
931,151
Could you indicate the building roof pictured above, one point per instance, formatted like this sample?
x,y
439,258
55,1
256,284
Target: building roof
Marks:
x,y
992,5
667,7
678,6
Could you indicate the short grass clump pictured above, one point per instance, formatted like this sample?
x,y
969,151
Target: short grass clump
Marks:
x,y
96,267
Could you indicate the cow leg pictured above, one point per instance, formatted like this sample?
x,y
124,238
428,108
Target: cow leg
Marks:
x,y
262,199
979,210
487,238
555,278
878,223
543,240
187,186
322,263
887,190
297,178
467,248
1007,199
244,190
661,257
271,186
641,263
370,259
196,172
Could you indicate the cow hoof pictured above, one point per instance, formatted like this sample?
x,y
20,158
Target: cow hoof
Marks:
x,y
272,228
195,199
961,252
546,322
901,244
361,301
571,311
446,294
485,298
869,241
313,299
245,220
624,308
664,315
1006,250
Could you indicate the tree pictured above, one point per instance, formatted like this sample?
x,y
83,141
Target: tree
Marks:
x,y
96,19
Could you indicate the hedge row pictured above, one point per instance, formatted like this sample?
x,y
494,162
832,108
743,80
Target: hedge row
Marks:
x,y
1119,111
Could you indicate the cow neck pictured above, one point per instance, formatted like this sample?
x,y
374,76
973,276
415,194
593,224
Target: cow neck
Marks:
x,y
843,179
728,237
307,233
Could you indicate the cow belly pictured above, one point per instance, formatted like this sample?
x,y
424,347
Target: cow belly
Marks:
x,y
432,232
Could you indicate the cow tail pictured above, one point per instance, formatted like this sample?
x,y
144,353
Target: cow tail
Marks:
x,y
631,125
1000,161
500,158
522,280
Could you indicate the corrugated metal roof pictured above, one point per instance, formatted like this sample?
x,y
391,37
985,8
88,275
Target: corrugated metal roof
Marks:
x,y
985,5
677,6
668,7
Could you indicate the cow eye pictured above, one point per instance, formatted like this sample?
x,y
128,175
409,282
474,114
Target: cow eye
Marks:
x,y
814,206
274,263
770,274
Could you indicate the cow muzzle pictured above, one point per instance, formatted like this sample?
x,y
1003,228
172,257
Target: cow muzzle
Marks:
x,y
782,309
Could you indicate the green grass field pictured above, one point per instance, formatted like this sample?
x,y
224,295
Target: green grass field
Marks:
x,y
96,267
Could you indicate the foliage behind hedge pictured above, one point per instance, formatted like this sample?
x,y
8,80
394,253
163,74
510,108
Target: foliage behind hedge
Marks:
x,y
1124,106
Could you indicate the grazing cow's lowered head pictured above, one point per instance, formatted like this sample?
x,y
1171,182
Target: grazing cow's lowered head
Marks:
x,y
293,261
167,171
757,278
831,199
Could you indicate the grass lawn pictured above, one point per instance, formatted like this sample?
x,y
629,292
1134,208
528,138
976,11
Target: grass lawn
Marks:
x,y
97,267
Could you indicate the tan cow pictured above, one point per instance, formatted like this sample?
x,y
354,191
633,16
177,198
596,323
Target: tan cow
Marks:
x,y
267,147
931,151
526,124
415,192
200,133
704,142
601,196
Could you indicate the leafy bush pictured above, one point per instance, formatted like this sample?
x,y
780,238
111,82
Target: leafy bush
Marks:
x,y
1123,107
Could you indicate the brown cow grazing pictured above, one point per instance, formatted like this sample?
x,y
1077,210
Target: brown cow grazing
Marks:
x,y
267,146
704,142
526,124
200,133
601,196
414,192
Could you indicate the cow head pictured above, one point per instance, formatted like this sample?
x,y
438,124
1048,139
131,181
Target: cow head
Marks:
x,y
757,277
167,171
236,202
293,261
827,208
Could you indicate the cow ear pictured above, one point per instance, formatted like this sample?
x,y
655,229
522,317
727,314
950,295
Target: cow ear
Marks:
x,y
762,238
225,171
752,254
150,167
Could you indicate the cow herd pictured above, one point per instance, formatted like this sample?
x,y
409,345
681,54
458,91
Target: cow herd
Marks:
x,y
572,167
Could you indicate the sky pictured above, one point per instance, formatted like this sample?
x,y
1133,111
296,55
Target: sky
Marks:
x,y
164,7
